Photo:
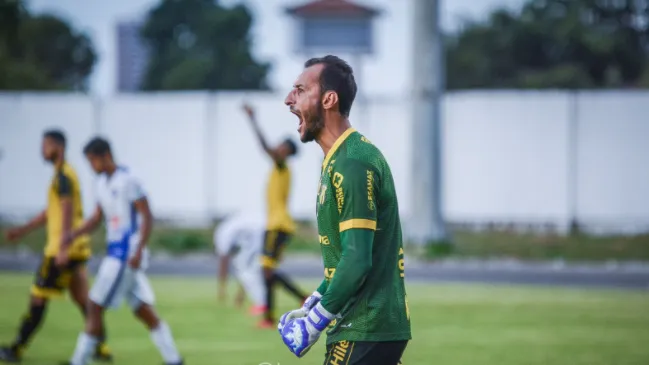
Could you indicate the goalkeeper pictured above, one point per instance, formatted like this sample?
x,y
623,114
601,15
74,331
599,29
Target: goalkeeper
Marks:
x,y
362,300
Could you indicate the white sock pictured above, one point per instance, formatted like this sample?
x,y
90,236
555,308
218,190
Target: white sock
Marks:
x,y
85,346
163,340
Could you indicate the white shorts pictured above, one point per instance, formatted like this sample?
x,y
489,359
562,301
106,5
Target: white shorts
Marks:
x,y
116,282
248,271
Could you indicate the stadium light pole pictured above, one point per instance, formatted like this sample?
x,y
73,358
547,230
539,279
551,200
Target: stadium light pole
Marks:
x,y
427,224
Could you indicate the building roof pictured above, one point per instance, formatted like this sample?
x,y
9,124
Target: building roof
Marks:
x,y
331,7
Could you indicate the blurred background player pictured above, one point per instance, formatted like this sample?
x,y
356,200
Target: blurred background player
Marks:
x,y
279,225
124,205
359,226
239,239
60,269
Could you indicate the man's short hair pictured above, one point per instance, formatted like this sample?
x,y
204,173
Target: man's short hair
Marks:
x,y
291,145
336,76
97,147
56,135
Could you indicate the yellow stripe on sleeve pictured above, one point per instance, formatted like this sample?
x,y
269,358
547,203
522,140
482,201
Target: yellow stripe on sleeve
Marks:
x,y
357,223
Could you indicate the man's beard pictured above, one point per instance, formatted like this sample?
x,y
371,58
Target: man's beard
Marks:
x,y
313,126
52,157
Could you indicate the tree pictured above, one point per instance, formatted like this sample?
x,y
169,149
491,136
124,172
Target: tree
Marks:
x,y
554,44
201,45
41,52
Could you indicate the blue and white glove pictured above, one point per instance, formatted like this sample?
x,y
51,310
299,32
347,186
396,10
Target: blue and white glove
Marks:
x,y
299,334
309,303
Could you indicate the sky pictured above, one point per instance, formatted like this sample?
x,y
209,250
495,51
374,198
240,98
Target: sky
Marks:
x,y
272,33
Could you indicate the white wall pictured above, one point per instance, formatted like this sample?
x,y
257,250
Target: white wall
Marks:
x,y
506,153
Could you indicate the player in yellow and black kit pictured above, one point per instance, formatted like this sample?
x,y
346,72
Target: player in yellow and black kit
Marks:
x,y
59,270
279,226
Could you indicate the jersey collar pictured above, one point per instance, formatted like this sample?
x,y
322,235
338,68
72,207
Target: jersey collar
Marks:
x,y
335,146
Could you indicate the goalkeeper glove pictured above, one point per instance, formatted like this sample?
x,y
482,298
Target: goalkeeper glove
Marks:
x,y
309,303
300,334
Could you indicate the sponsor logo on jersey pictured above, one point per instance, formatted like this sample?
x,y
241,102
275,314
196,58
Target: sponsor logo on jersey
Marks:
x,y
337,182
339,352
114,222
322,196
370,190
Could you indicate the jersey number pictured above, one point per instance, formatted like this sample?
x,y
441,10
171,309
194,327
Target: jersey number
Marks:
x,y
329,273
402,265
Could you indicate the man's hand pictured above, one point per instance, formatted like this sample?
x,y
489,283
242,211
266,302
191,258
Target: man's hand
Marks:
x,y
136,260
62,258
300,334
14,234
66,239
309,303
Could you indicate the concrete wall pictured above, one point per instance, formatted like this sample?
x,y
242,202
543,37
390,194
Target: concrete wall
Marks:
x,y
509,156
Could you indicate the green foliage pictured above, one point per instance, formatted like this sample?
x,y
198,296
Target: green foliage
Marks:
x,y
439,249
495,243
41,52
201,45
538,246
554,44
181,243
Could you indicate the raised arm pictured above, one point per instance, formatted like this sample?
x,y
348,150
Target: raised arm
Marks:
x,y
357,227
252,118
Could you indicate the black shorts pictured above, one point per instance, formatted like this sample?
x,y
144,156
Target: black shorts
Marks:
x,y
365,353
51,281
274,244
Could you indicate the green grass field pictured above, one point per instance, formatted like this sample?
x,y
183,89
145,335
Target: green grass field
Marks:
x,y
452,325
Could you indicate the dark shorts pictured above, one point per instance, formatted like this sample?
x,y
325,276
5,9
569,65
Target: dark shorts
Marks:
x,y
365,353
51,281
274,244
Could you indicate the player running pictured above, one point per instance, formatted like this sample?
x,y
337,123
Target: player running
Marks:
x,y
60,269
123,204
279,226
238,239
363,296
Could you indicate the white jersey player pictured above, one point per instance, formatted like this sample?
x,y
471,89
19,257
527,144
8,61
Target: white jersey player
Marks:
x,y
239,239
124,206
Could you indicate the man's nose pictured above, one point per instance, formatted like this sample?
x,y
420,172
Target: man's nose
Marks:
x,y
289,100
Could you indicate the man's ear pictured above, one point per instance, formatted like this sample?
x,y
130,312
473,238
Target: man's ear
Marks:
x,y
329,100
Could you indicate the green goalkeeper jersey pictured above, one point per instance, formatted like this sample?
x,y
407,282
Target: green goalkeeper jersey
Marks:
x,y
362,249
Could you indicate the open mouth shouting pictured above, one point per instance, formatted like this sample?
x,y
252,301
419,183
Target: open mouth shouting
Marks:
x,y
302,123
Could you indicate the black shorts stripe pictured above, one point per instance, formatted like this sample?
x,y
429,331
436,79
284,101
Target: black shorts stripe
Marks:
x,y
274,244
